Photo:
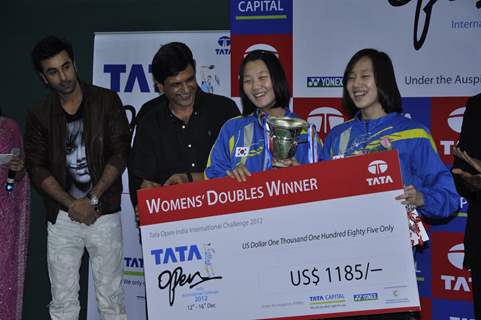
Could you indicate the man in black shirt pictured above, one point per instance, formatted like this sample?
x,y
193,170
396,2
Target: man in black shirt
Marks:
x,y
467,176
175,131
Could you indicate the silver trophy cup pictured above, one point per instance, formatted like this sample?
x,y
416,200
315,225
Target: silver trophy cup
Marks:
x,y
283,133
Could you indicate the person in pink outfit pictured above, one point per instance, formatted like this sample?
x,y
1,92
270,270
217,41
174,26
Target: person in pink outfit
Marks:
x,y
14,214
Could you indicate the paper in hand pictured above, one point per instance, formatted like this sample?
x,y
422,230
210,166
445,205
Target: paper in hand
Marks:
x,y
5,158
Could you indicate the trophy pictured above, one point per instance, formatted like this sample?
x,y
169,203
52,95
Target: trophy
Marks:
x,y
283,133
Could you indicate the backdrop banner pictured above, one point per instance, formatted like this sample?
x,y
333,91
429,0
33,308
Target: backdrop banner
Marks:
x,y
122,62
435,49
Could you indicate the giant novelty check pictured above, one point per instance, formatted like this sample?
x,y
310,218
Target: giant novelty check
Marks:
x,y
319,240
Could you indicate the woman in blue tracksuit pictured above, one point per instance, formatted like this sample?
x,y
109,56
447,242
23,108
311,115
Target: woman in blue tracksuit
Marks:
x,y
240,148
371,94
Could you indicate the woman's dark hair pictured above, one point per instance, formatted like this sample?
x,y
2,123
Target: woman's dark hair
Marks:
x,y
278,78
171,59
387,89
49,47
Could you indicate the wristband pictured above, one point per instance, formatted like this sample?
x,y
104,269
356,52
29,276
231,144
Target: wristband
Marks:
x,y
189,176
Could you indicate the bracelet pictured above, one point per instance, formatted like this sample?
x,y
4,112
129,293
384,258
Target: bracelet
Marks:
x,y
189,176
94,202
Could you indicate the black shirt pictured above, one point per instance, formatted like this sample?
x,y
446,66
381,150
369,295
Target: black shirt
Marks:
x,y
469,141
165,145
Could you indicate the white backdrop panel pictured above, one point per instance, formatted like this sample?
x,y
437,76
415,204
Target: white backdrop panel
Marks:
x,y
327,33
131,54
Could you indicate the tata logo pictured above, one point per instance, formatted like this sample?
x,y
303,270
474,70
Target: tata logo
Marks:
x,y
455,119
377,168
176,255
134,76
455,122
332,297
261,46
455,283
325,118
365,297
456,256
324,82
224,43
132,262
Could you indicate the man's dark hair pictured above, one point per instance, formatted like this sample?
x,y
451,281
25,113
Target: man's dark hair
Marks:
x,y
278,78
171,59
387,89
49,47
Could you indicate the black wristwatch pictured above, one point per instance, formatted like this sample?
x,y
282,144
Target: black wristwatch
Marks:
x,y
94,201
189,176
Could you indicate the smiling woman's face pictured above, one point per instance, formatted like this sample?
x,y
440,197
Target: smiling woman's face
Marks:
x,y
362,88
257,85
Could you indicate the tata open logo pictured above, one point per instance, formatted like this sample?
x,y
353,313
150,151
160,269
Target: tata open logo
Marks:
x,y
455,119
378,168
325,118
262,46
456,256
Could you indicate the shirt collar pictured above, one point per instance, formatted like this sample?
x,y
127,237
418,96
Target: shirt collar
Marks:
x,y
375,122
259,115
57,106
199,105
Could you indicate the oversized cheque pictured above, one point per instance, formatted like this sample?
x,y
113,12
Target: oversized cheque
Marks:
x,y
324,239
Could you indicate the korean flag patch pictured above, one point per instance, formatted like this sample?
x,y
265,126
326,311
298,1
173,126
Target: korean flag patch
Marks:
x,y
241,151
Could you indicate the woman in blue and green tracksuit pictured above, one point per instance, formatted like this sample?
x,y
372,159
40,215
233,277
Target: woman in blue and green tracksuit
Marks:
x,y
371,94
240,148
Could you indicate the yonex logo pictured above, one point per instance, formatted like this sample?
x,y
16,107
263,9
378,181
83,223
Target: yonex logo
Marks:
x,y
377,167
365,297
325,118
455,119
456,256
324,82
